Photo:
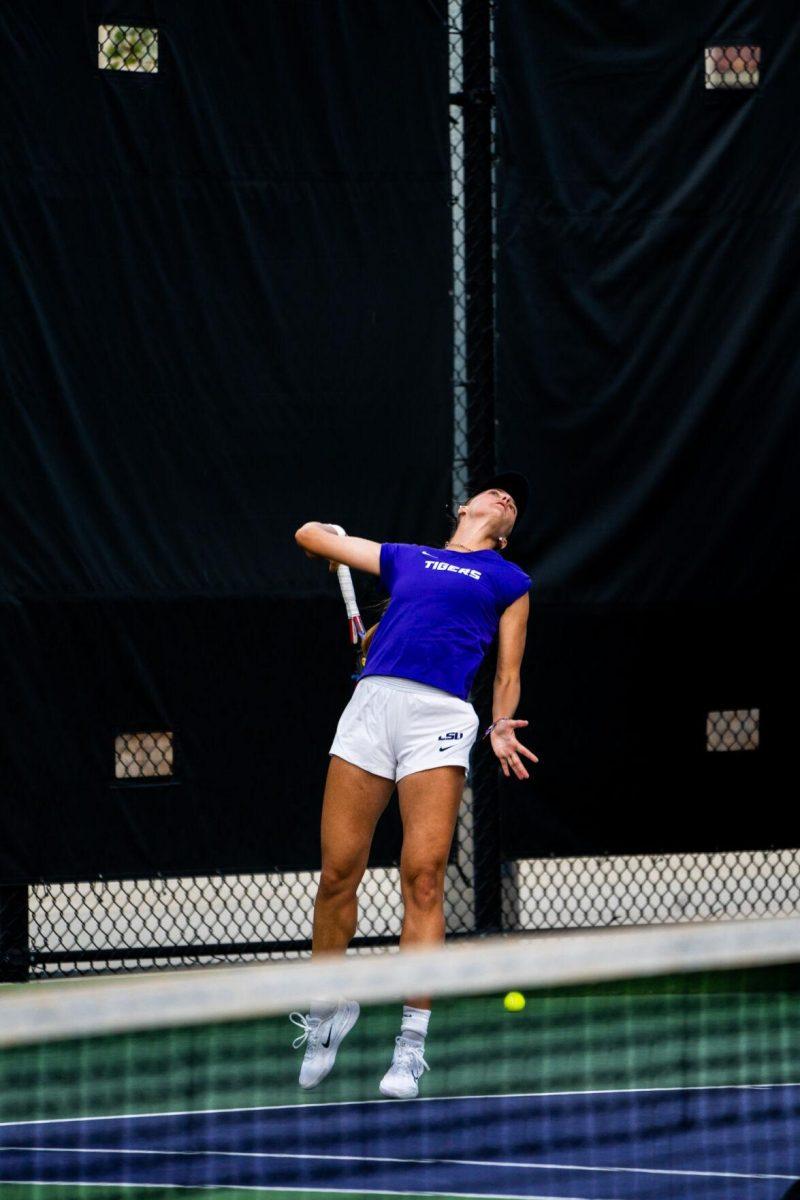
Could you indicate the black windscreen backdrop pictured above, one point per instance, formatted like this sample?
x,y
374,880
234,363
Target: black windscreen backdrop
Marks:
x,y
226,310
649,378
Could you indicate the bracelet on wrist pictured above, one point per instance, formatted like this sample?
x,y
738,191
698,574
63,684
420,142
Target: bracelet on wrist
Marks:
x,y
489,729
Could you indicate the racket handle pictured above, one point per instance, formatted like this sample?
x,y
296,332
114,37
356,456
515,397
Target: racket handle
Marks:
x,y
348,591
355,623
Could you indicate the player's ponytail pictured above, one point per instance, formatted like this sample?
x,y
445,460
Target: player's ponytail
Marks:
x,y
381,606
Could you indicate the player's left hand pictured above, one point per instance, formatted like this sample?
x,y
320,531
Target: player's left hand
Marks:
x,y
508,749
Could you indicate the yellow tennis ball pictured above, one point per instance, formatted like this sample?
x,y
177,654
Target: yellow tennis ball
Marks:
x,y
514,1002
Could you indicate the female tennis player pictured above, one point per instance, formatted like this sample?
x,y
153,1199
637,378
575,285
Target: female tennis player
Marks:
x,y
410,725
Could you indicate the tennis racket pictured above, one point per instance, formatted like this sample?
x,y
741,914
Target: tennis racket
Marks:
x,y
355,625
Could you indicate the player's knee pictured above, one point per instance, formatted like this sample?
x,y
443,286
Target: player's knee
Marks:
x,y
338,882
423,886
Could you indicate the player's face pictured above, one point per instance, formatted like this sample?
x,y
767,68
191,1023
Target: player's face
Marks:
x,y
497,503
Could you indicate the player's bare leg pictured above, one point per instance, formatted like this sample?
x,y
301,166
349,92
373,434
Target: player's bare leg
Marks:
x,y
354,800
429,802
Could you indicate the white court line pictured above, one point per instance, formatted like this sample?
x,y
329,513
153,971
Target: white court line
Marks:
x,y
370,1158
205,1112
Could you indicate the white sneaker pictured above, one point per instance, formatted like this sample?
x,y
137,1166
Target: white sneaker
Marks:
x,y
400,1081
323,1040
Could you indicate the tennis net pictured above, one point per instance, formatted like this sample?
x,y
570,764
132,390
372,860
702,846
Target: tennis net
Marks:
x,y
644,1065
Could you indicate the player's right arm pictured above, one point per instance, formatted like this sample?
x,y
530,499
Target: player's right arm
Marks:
x,y
322,541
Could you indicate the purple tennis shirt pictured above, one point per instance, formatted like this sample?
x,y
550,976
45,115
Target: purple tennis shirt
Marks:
x,y
443,614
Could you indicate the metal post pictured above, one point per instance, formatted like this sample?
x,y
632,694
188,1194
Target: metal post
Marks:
x,y
477,99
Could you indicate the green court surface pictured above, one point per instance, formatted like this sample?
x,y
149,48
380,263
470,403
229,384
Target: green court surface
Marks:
x,y
698,1030
637,1055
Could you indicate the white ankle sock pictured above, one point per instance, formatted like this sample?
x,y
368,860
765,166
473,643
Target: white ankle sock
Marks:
x,y
414,1026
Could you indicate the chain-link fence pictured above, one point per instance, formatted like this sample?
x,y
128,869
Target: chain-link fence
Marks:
x,y
732,67
133,924
649,889
127,48
138,924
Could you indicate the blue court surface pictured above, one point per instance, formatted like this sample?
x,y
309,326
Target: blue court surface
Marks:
x,y
700,1143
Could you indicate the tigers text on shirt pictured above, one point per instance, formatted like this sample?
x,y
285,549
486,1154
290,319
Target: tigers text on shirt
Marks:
x,y
438,565
443,614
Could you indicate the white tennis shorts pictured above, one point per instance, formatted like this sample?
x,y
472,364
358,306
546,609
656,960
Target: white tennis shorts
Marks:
x,y
393,726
